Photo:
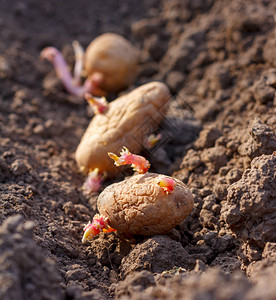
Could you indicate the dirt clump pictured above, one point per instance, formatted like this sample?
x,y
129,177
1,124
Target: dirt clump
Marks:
x,y
25,273
250,206
164,254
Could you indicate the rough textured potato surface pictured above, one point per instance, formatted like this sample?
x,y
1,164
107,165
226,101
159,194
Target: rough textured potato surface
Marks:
x,y
138,205
126,123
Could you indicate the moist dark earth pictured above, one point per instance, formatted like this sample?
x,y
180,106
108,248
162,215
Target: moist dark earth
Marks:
x,y
219,60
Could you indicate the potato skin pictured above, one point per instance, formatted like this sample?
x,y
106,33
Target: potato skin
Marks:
x,y
126,123
138,205
114,57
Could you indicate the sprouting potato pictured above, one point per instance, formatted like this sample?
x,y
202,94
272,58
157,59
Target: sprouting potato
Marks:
x,y
126,121
110,65
113,59
140,205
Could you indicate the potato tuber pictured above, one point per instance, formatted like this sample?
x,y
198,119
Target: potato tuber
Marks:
x,y
111,57
139,205
127,121
110,65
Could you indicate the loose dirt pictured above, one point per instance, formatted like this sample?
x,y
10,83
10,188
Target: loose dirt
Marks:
x,y
218,137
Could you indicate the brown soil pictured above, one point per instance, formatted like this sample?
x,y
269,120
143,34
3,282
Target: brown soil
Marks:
x,y
218,58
